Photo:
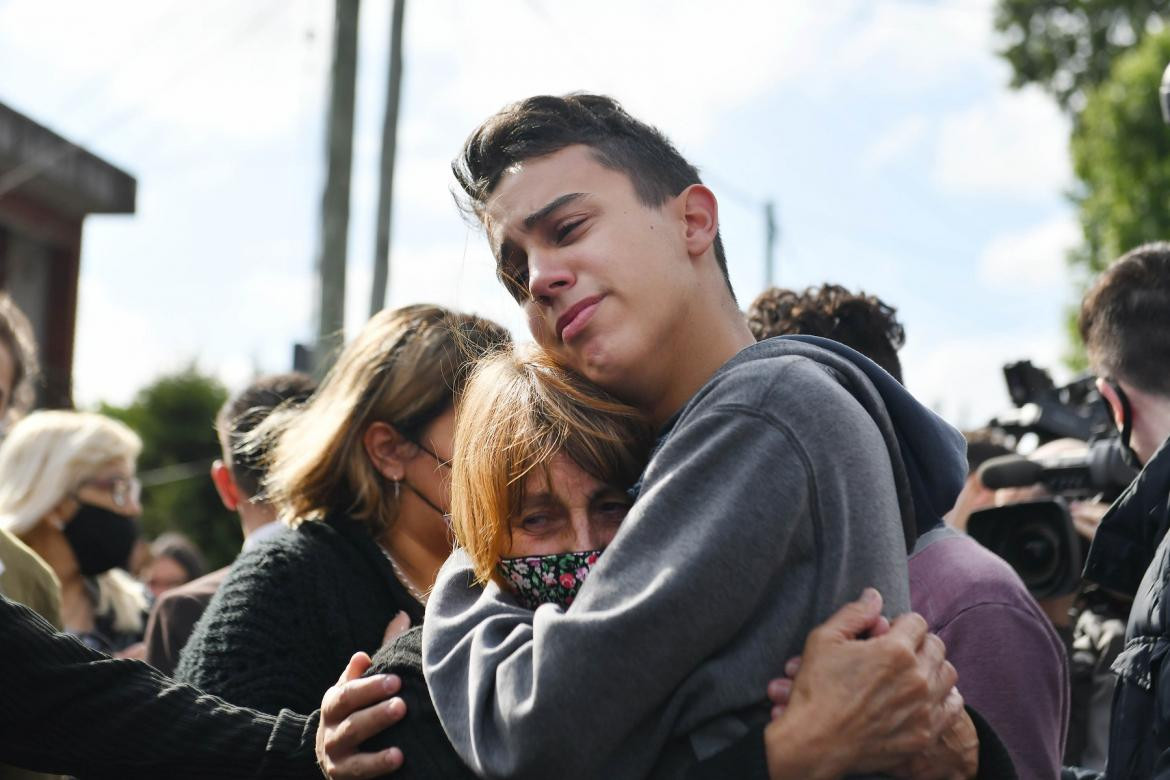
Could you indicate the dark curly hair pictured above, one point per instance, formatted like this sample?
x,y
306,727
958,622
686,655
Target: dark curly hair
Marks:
x,y
545,124
863,322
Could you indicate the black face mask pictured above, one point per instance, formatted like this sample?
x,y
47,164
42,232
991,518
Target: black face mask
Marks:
x,y
442,464
101,539
1127,453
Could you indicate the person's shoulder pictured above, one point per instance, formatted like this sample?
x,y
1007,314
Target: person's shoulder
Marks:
x,y
302,555
17,556
956,573
25,577
197,591
756,364
761,378
307,541
402,655
787,390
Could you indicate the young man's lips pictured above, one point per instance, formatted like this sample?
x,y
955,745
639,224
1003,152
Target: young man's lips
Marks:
x,y
576,318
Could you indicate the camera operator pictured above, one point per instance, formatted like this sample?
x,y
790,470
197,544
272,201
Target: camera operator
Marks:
x,y
983,444
1043,528
1125,324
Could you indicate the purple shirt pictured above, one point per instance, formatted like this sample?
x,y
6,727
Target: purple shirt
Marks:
x,y
1012,665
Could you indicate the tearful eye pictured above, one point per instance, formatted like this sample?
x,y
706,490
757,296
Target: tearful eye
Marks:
x,y
534,523
565,230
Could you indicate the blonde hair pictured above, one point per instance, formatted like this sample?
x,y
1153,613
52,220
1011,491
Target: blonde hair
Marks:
x,y
519,411
45,457
405,368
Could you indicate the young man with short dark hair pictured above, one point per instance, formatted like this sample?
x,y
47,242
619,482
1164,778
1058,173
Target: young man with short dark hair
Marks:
x,y
779,489
1125,324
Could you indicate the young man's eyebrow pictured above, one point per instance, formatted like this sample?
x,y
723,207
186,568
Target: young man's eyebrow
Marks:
x,y
541,213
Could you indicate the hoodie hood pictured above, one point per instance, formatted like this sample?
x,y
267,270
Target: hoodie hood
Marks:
x,y
928,454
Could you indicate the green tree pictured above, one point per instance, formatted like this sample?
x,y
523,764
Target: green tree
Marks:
x,y
1121,155
1102,61
1068,46
175,416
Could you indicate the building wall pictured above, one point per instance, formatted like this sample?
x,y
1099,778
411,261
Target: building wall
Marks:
x,y
38,268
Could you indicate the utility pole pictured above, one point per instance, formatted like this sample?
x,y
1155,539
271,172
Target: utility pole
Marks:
x,y
331,254
386,182
770,234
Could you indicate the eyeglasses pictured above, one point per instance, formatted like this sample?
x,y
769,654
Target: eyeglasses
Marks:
x,y
446,464
124,490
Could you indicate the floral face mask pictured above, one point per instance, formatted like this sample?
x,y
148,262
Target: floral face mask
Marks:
x,y
548,579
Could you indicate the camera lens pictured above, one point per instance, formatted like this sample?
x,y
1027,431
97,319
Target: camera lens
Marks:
x,y
1037,539
1033,550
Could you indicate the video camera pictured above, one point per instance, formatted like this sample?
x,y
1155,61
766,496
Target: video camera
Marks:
x,y
1038,538
1072,411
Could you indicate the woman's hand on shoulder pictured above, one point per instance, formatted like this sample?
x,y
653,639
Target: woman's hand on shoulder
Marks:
x,y
352,711
873,704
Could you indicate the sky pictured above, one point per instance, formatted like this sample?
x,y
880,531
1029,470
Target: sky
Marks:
x,y
899,160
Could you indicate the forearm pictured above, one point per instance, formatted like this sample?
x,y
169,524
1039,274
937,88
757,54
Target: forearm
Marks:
x,y
796,751
768,752
68,709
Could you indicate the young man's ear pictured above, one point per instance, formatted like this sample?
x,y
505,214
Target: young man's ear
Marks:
x,y
701,214
1108,392
225,485
387,450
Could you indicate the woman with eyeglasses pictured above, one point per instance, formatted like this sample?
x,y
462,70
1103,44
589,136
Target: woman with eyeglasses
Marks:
x,y
360,474
68,491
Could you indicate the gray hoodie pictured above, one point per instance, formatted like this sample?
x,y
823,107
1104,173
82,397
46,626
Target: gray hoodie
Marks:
x,y
775,495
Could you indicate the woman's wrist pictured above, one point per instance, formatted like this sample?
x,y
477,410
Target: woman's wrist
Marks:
x,y
796,752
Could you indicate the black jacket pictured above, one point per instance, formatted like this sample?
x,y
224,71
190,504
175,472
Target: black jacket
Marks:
x,y
290,615
1131,540
65,708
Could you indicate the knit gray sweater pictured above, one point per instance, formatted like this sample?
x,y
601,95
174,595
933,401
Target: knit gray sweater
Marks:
x,y
776,494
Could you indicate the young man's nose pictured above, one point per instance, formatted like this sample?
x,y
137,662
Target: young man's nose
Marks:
x,y
547,277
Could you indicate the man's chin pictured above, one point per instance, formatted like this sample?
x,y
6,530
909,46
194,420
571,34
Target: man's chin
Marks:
x,y
590,359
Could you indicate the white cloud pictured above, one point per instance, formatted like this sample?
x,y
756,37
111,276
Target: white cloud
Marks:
x,y
1012,145
678,63
148,69
914,46
1036,256
682,63
461,276
903,137
961,378
116,350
